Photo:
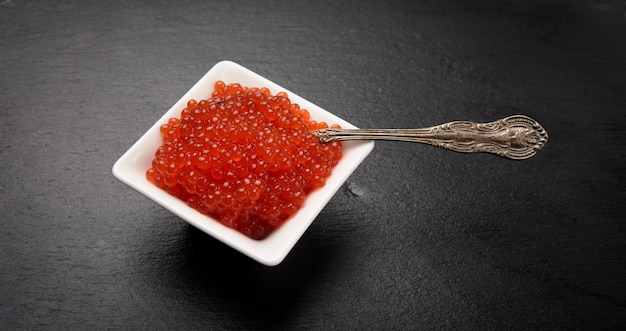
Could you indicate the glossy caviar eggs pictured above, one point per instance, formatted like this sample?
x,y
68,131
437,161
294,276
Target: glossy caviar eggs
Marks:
x,y
243,156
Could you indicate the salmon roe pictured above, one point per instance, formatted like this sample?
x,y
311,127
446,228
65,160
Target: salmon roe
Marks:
x,y
244,157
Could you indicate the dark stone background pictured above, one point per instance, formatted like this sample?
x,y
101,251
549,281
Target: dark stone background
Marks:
x,y
418,238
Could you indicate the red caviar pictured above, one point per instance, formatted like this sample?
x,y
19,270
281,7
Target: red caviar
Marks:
x,y
243,156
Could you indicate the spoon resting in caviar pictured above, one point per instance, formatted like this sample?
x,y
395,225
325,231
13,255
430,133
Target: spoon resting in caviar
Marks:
x,y
516,137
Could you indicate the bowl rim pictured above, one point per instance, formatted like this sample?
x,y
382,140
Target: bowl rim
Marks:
x,y
269,251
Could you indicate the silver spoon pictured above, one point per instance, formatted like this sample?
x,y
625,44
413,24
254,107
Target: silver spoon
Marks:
x,y
516,137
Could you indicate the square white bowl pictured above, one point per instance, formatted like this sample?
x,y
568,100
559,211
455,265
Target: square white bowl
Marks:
x,y
131,170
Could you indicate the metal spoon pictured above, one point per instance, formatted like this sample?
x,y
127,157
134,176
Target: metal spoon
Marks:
x,y
516,137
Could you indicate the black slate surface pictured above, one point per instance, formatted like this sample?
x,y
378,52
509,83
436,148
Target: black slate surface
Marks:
x,y
418,238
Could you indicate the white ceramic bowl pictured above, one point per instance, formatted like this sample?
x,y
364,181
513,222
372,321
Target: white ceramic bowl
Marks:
x,y
131,170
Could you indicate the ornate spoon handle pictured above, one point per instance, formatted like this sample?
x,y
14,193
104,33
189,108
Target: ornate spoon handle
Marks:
x,y
515,137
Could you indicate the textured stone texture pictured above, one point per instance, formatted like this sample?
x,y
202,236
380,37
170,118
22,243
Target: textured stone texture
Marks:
x,y
418,237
